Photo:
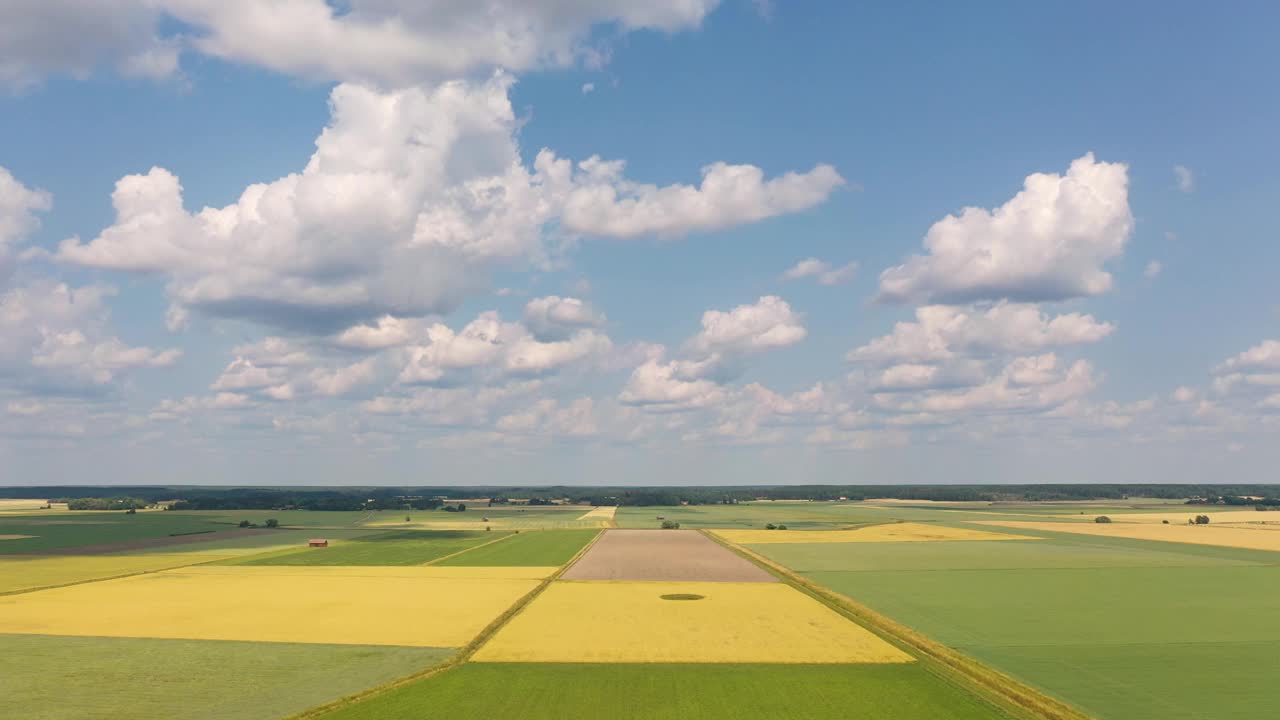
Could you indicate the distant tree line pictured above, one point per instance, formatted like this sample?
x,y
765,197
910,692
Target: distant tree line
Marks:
x,y
262,499
434,497
118,502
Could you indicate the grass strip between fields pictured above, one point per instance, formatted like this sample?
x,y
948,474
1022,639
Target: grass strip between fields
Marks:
x,y
1006,691
464,653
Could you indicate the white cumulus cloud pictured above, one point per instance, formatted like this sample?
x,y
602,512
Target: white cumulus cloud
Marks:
x,y
604,203
410,201
555,317
55,338
391,43
941,332
18,207
1049,242
763,325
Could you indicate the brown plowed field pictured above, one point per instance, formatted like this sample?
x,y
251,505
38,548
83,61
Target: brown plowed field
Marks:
x,y
663,555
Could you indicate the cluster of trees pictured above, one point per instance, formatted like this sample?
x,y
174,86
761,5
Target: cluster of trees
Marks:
x,y
120,502
270,522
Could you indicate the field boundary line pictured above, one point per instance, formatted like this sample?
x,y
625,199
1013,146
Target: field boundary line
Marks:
x,y
459,658
1004,689
467,550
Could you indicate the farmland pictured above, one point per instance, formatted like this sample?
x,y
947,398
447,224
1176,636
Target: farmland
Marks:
x,y
550,691
539,547
566,616
387,548
637,622
1118,626
197,679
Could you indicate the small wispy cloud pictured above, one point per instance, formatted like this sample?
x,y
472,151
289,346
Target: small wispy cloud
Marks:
x,y
1153,269
1186,178
588,88
822,271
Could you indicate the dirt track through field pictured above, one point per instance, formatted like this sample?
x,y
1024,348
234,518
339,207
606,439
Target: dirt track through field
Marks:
x,y
663,555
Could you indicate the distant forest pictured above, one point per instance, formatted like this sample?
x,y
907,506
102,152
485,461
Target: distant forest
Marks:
x,y
427,498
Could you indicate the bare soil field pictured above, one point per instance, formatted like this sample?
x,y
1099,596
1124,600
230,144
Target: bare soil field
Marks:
x,y
663,555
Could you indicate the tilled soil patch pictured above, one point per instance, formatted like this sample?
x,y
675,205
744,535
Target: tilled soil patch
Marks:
x,y
663,555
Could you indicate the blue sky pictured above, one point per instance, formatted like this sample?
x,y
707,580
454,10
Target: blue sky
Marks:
x,y
680,243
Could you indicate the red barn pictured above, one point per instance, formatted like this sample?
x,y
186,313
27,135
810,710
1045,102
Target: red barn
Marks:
x,y
318,543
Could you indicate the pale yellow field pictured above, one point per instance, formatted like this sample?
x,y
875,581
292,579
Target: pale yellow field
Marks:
x,y
15,504
1259,538
1216,517
381,571
15,537
619,622
893,532
600,513
363,606
23,572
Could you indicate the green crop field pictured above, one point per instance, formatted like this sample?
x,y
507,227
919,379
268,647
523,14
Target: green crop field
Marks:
x,y
401,547
753,515
69,678
1122,629
532,549
825,515
50,530
675,692
258,541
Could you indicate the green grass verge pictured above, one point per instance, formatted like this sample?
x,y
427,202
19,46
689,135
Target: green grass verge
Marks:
x,y
401,547
538,548
68,678
654,691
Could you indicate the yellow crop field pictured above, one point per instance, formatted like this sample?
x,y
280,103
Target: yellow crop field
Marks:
x,y
1216,517
605,513
893,532
23,572
20,504
1260,538
15,537
622,622
437,572
364,606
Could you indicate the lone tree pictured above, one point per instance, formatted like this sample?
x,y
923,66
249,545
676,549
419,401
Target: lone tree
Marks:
x,y
273,523
244,523
1202,519
670,525
1102,519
